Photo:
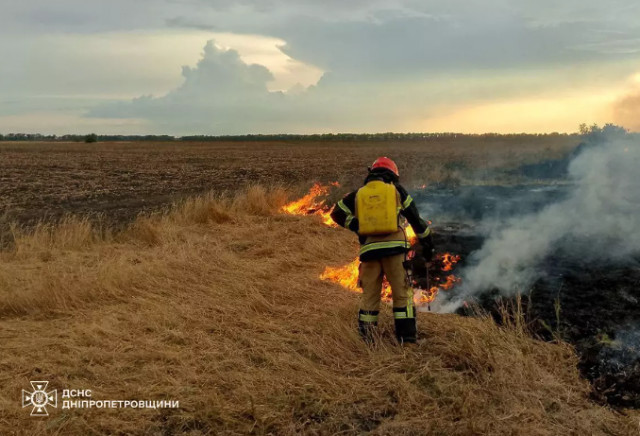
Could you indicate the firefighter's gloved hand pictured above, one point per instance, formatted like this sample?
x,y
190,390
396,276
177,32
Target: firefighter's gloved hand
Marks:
x,y
428,248
354,225
418,266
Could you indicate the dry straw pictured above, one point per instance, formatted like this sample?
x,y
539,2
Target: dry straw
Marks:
x,y
218,304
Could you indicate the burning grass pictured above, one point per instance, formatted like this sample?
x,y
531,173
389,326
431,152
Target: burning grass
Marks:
x,y
218,304
347,277
314,203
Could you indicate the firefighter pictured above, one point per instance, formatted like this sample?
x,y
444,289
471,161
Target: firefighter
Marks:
x,y
373,213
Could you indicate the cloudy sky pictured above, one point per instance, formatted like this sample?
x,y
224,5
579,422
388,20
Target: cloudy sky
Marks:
x,y
270,66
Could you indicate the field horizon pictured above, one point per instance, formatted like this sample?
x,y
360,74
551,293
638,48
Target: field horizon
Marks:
x,y
43,181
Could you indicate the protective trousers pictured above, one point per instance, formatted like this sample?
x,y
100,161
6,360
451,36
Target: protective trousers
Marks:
x,y
370,279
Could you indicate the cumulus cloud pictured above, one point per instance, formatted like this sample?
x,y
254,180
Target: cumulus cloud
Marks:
x,y
222,72
406,38
223,94
215,95
389,63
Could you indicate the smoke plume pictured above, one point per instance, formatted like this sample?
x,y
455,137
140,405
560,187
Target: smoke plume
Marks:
x,y
626,111
600,219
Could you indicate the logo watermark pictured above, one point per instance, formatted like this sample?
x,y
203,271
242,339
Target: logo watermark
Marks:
x,y
82,399
39,398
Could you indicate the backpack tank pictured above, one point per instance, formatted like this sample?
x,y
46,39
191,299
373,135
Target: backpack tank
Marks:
x,y
377,208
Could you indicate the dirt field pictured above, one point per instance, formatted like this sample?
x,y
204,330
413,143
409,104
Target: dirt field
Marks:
x,y
119,180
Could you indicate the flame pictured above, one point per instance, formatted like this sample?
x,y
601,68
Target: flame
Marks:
x,y
448,283
326,218
411,235
426,296
312,204
347,277
448,261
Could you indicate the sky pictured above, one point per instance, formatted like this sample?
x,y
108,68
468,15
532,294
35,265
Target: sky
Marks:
x,y
184,67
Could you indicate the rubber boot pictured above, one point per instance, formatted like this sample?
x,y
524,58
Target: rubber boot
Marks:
x,y
367,323
405,323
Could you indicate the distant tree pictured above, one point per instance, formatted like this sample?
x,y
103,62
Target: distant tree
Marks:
x,y
91,138
595,134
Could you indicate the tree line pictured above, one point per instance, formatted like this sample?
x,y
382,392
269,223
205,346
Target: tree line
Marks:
x,y
325,137
92,137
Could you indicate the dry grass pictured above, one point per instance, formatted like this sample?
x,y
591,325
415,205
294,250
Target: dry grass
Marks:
x,y
218,305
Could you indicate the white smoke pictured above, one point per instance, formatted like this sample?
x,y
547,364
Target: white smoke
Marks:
x,y
599,219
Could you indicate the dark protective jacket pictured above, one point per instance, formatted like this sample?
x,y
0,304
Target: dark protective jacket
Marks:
x,y
379,246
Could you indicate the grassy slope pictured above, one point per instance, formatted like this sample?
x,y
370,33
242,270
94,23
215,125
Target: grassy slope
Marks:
x,y
225,313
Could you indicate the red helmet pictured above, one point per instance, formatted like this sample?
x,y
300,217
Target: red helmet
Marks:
x,y
386,163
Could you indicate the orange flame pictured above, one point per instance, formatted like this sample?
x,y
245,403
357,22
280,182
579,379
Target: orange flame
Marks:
x,y
347,277
311,204
411,235
449,261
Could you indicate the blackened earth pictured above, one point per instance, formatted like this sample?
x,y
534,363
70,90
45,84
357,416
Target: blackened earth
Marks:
x,y
592,303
